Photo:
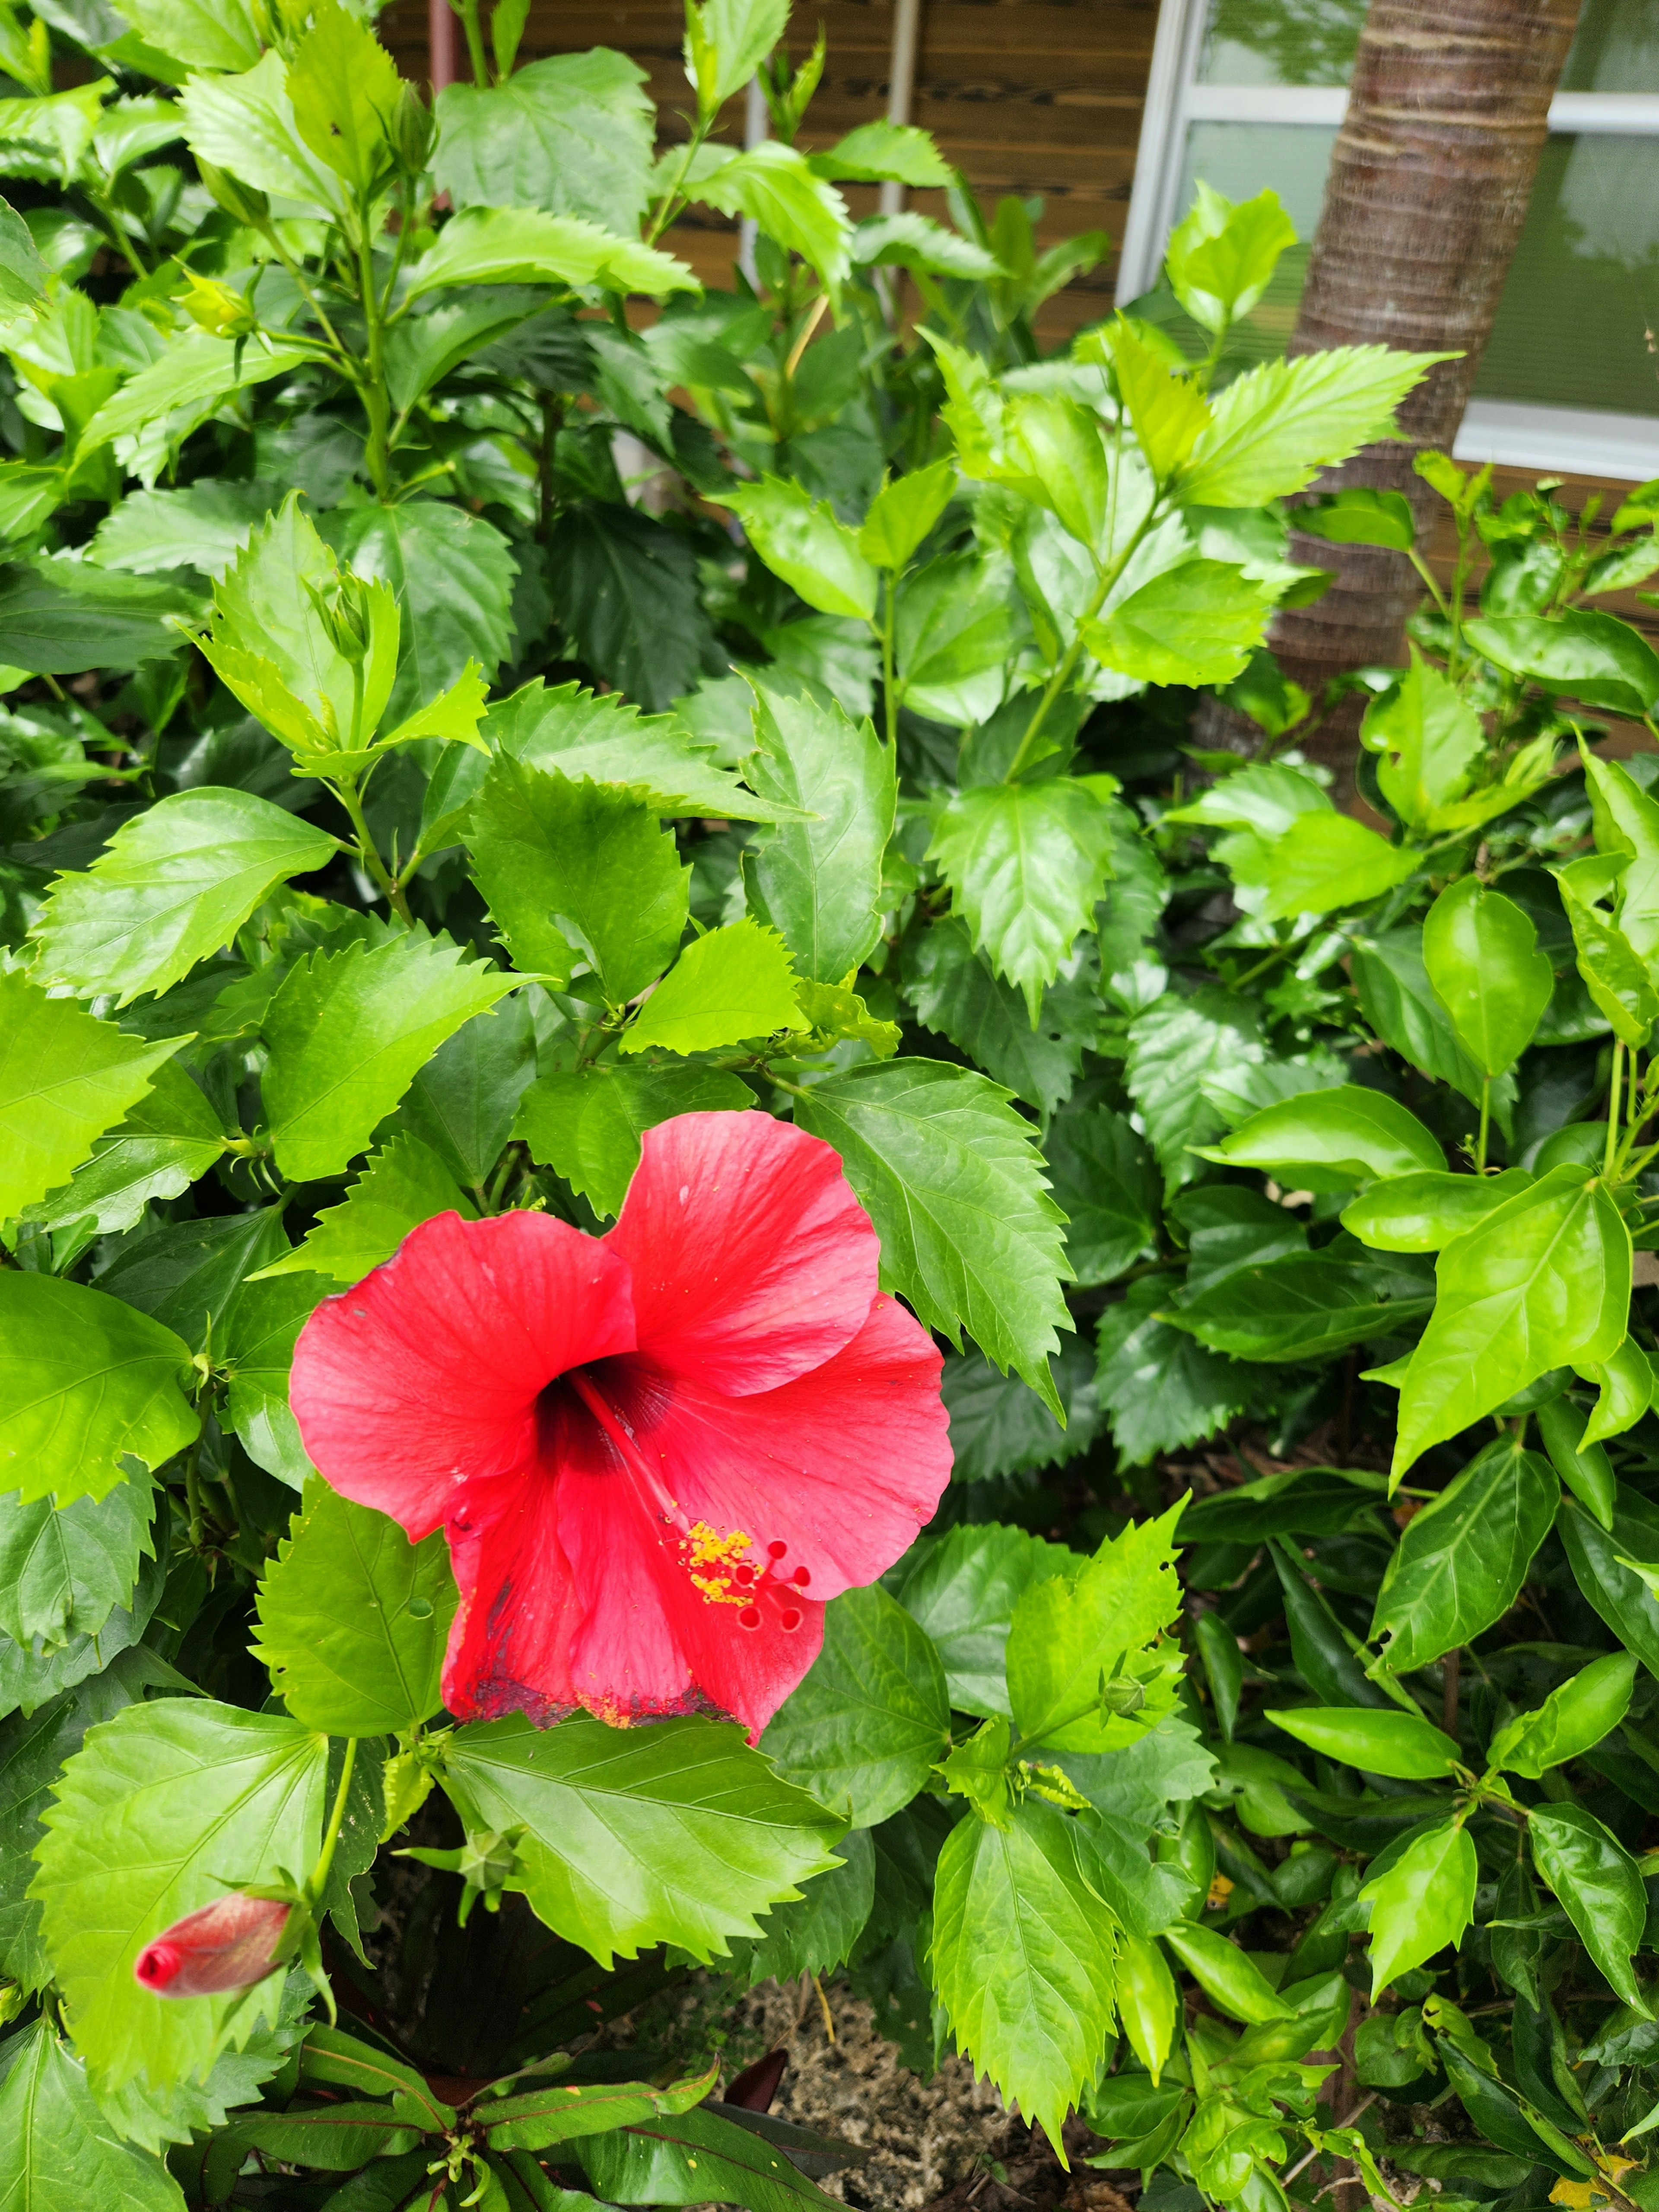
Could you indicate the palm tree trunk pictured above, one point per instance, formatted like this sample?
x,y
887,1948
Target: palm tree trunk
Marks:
x,y
1428,183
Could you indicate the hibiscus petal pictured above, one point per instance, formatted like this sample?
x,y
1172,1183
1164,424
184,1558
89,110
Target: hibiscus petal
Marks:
x,y
752,1260
426,1374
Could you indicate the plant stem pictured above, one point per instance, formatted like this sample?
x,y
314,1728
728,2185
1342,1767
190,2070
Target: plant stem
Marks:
x,y
368,853
667,205
1062,676
377,403
1611,1151
332,1833
468,12
1485,1125
890,695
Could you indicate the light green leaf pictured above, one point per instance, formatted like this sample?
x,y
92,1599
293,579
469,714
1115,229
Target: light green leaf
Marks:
x,y
587,1127
1274,427
1322,862
1227,1976
957,629
1572,1720
800,540
1357,515
775,187
205,526
1222,254
1023,1958
1376,1739
739,34
1166,406
1058,448
352,1620
1070,1634
257,1346
347,1031
1398,1000
1542,1281
171,886
676,1833
909,240
817,882
208,34
736,982
962,1588
904,510
1464,1557
1618,979
1026,863
519,246
196,371
23,275
245,124
89,1381
161,1810
1583,653
266,616
1198,622
1599,1888
1482,954
571,133
1626,822
578,873
65,1079
1332,1138
55,2143
1427,737
1422,1902
1625,1385
871,1719
60,616
949,1174
1422,1211
876,152
64,1570
402,1185
346,95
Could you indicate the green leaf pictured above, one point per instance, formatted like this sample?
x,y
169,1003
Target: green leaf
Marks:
x,y
817,881
1376,1739
1599,1887
954,992
188,1274
257,1346
773,184
1168,411
587,1127
161,1808
820,1932
462,1103
171,886
245,124
1420,1903
955,631
352,1620
698,2156
1597,1558
962,1588
346,95
65,1080
578,874
266,631
346,1032
64,1570
1361,516
1226,1976
999,1426
906,508
23,274
1056,447
1542,1281
558,2112
61,617
733,983
626,590
521,245
29,1681
1305,1306
1323,861
1424,1210
947,1171
1198,622
1160,1387
1025,863
1071,1633
871,1719
403,1184
1273,428
1427,737
1464,1557
677,1833
1221,256
1023,1958
1572,1719
88,1381
606,738
1618,979
192,378
1583,653
1398,1000
800,540
1174,1045
738,35
1626,822
205,526
55,2140
1332,1138
1483,961
571,133
875,152
452,574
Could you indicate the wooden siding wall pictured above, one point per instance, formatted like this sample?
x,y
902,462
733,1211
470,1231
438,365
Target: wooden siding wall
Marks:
x,y
1038,98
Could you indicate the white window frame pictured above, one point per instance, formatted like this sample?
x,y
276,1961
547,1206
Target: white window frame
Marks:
x,y
1574,441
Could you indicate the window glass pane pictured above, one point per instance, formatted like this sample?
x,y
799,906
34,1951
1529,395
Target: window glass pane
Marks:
x,y
1583,296
1281,41
1617,48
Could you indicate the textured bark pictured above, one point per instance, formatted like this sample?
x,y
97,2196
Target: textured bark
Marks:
x,y
1428,190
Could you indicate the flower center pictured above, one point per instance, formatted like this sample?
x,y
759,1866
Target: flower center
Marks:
x,y
723,1569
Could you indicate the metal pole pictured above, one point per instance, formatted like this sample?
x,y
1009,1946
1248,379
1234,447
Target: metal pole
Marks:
x,y
755,131
440,43
901,83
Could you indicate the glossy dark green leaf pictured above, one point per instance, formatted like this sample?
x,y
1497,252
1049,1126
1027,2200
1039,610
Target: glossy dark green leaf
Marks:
x,y
64,1569
1174,1045
626,589
1300,1308
1599,1885
958,995
1312,1501
685,2159
1000,1426
462,1103
1398,1000
820,1932
61,617
1464,1557
1160,1387
1104,1177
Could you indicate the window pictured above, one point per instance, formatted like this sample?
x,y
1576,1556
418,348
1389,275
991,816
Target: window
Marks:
x,y
1248,93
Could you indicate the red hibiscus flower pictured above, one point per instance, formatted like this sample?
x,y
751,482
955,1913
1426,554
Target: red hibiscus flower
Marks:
x,y
655,1454
229,1944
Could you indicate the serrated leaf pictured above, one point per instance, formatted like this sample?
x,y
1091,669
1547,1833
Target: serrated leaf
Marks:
x,y
571,133
587,1127
55,2140
1323,861
246,125
949,1174
521,245
453,573
962,1588
1105,1180
192,377
266,627
1023,1958
1173,1046
257,1347
346,95
1000,1426
956,992
462,1103
205,526
65,1079
1072,1631
29,1681
347,1031
821,1932
1428,738
735,982
578,873
775,187
159,1811
61,617
352,1620
1160,1388
64,1570
402,1185
1025,863
870,1720
188,1274
1198,622
626,590
817,882
677,1833
799,539
88,1381
171,886
1273,428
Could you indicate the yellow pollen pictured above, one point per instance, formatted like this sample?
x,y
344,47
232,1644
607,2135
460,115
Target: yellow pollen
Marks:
x,y
703,1546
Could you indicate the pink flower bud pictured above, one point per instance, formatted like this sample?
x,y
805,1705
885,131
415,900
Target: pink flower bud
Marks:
x,y
227,1945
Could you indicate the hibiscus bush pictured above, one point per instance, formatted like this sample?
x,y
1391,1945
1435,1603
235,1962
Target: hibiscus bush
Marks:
x,y
651,1142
